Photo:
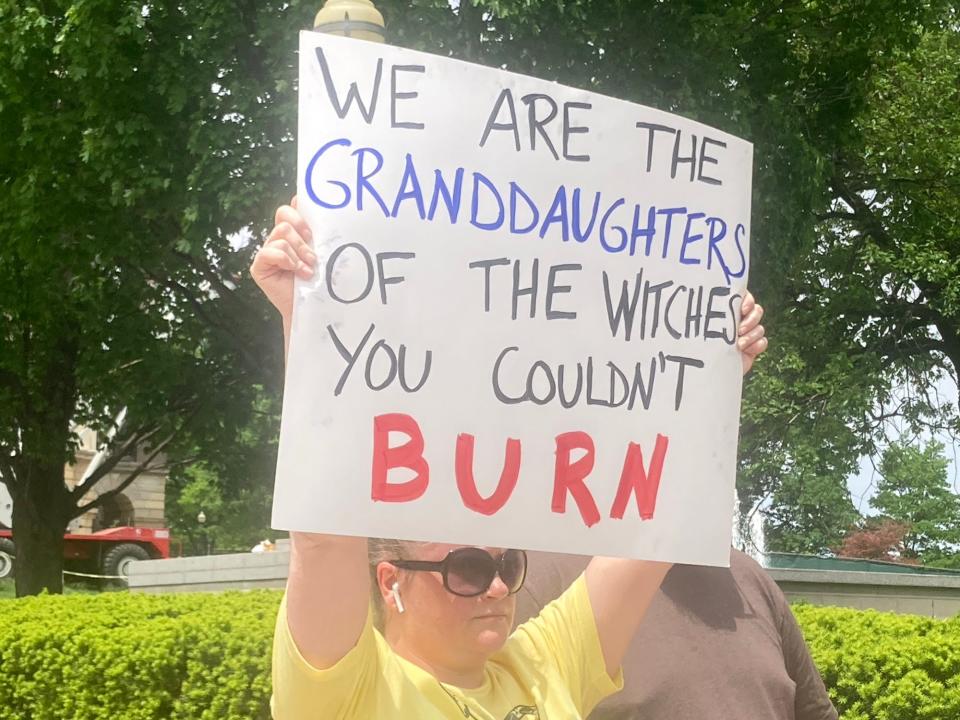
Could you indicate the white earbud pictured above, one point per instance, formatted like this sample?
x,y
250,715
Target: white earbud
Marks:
x,y
395,591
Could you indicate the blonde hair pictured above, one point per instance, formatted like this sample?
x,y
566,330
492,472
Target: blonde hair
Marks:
x,y
384,550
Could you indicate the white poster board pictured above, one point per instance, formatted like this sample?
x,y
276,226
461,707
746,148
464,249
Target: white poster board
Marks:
x,y
522,328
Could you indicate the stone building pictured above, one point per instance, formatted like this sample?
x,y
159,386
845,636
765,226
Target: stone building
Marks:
x,y
140,504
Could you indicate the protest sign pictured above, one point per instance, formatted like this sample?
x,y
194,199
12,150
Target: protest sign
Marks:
x,y
522,327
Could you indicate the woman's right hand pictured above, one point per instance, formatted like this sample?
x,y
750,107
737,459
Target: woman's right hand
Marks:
x,y
286,253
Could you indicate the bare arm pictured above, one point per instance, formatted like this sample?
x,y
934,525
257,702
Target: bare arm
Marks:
x,y
620,592
328,593
328,587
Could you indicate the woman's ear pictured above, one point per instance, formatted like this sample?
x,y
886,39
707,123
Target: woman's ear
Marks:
x,y
388,585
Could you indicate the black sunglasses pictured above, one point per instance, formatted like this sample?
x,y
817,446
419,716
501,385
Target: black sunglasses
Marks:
x,y
470,571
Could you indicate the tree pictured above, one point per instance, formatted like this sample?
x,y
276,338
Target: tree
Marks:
x,y
234,489
809,513
233,521
137,139
913,489
801,441
876,539
891,267
870,325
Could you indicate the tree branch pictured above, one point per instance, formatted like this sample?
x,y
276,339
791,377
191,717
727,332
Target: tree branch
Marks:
x,y
893,352
878,419
906,314
135,438
211,277
227,333
951,340
836,215
862,212
137,471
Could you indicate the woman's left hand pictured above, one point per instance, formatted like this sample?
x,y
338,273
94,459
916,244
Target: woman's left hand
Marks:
x,y
752,340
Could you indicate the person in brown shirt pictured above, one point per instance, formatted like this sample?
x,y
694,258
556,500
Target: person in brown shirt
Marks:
x,y
716,644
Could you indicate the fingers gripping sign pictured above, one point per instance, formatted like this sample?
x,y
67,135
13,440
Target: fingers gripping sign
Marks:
x,y
286,255
752,336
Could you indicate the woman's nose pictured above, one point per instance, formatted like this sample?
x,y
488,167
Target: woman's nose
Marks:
x,y
498,588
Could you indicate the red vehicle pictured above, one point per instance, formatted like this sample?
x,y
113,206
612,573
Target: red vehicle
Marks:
x,y
107,552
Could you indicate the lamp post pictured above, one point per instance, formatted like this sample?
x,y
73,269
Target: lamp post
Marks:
x,y
202,519
350,18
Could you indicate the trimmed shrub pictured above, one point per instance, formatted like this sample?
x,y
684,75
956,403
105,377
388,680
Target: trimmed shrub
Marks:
x,y
882,666
207,657
137,657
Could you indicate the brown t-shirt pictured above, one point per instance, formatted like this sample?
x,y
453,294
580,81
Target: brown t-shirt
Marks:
x,y
716,644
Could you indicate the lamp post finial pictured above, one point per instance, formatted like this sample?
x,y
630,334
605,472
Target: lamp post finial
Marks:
x,y
350,18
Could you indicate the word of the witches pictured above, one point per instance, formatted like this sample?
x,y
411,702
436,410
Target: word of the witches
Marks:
x,y
569,478
679,310
641,310
337,177
544,118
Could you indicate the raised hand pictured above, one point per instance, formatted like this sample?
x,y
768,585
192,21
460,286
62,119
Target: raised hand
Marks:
x,y
752,340
286,254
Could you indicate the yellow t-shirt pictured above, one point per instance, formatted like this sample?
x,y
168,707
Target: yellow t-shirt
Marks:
x,y
550,668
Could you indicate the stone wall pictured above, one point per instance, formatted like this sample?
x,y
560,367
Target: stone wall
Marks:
x,y
244,571
931,595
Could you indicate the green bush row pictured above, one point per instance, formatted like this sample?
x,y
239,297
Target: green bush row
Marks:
x,y
207,656
128,656
882,666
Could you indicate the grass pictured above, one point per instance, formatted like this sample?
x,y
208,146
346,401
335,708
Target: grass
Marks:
x,y
71,587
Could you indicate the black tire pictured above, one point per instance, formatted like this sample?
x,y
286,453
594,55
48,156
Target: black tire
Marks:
x,y
7,554
116,561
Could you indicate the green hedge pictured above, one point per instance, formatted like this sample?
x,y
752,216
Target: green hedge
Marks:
x,y
194,657
127,656
881,666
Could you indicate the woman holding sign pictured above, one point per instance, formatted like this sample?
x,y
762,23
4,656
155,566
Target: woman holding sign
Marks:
x,y
444,648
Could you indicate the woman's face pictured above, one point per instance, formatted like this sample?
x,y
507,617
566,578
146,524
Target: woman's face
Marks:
x,y
443,628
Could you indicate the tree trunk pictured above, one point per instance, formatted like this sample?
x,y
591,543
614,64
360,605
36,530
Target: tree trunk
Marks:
x,y
950,335
41,500
39,521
